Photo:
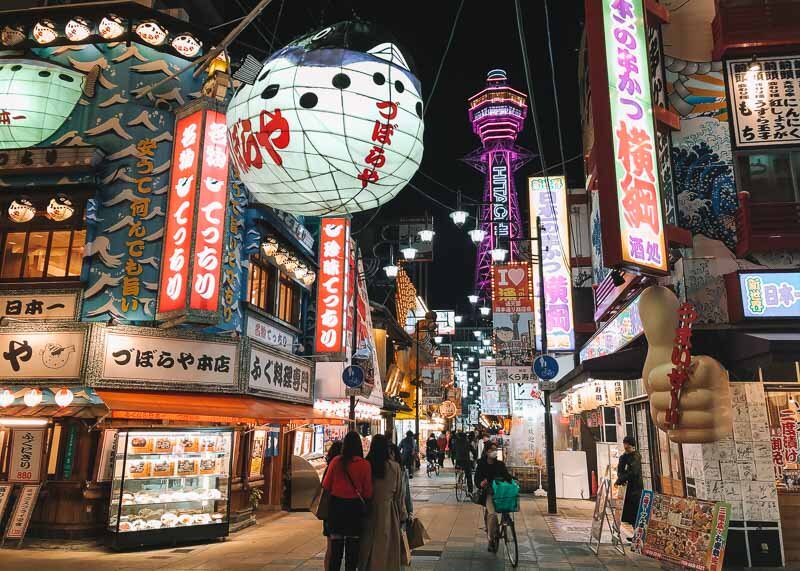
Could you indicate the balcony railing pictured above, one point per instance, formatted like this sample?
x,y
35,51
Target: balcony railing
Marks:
x,y
744,26
766,226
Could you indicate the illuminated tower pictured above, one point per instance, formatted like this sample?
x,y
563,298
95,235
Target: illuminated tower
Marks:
x,y
497,114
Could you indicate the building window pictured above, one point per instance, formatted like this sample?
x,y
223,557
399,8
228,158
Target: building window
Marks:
x,y
39,255
258,289
289,301
769,176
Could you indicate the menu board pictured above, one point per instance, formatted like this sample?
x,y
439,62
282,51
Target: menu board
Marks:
x,y
23,510
257,455
687,532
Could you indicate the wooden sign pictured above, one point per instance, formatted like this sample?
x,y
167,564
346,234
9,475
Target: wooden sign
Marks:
x,y
27,450
21,516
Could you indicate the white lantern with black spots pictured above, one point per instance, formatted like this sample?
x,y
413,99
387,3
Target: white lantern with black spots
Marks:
x,y
331,124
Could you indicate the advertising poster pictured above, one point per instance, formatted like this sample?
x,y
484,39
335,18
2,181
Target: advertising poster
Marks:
x,y
770,294
512,306
687,532
494,397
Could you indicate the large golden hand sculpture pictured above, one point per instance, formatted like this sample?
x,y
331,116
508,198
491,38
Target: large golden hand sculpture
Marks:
x,y
705,399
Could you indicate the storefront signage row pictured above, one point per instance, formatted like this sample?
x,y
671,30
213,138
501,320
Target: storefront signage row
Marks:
x,y
625,145
616,334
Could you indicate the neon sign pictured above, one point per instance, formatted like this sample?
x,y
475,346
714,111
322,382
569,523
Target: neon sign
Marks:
x,y
770,294
334,236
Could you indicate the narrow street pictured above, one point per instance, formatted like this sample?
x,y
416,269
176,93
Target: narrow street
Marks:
x,y
293,541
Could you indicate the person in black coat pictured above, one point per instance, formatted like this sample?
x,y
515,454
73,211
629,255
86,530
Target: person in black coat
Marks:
x,y
488,470
629,472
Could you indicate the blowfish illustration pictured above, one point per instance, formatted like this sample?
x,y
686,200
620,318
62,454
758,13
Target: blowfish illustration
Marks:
x,y
331,123
55,356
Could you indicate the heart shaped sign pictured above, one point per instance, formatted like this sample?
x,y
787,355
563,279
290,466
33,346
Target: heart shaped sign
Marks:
x,y
516,275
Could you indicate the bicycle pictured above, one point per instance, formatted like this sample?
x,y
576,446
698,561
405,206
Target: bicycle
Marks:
x,y
507,532
461,484
432,468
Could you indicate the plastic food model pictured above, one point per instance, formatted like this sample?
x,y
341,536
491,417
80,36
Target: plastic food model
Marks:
x,y
704,405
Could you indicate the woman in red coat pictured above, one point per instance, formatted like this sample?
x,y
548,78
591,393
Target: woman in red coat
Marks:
x,y
349,482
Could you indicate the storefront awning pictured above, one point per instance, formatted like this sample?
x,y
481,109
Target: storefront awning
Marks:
x,y
194,407
619,366
784,347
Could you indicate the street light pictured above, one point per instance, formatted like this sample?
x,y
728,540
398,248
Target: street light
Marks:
x,y
438,339
477,334
458,319
459,217
391,268
477,235
487,342
485,310
426,235
499,254
473,299
409,252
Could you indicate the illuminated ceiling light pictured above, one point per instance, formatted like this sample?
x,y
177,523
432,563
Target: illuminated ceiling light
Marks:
x,y
477,334
309,278
12,35
270,247
458,319
477,235
21,210
6,398
78,29
426,235
487,342
111,27
33,397
60,208
187,45
151,32
459,217
473,299
301,271
438,338
485,310
499,254
282,256
64,397
44,31
290,264
409,252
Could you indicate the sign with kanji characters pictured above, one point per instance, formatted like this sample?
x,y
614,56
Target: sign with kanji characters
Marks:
x,y
512,288
268,334
279,376
788,420
20,516
43,159
764,98
548,201
331,285
631,207
54,355
615,334
49,306
169,361
494,397
195,223
770,294
27,451
515,375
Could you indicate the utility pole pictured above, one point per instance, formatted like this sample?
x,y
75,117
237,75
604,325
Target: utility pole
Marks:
x,y
416,384
548,418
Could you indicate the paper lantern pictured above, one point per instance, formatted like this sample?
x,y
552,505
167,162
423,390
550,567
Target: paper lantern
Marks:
x,y
6,398
44,31
111,27
309,278
64,397
12,35
332,123
32,397
187,45
270,247
21,211
77,29
60,208
151,32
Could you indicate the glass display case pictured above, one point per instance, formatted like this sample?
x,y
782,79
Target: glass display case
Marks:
x,y
170,486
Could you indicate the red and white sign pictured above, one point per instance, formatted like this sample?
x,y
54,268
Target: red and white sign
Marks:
x,y
211,215
23,510
27,449
333,241
512,288
192,257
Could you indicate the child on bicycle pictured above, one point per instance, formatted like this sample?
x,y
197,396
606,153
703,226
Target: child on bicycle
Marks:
x,y
488,470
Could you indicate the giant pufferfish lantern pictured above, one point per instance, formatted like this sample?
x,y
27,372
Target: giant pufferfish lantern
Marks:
x,y
332,123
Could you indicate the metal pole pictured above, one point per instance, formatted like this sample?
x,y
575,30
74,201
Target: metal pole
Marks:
x,y
548,418
416,386
355,334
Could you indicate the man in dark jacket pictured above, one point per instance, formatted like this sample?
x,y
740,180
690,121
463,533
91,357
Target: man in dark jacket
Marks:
x,y
408,447
629,473
461,454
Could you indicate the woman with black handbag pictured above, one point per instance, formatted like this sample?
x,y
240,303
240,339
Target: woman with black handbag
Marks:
x,y
349,482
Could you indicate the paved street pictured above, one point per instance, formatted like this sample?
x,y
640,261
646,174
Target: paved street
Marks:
x,y
294,541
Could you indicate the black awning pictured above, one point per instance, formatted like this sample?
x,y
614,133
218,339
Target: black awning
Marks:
x,y
618,366
781,347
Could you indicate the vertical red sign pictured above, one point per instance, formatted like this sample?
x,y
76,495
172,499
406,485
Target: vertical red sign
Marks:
x,y
180,214
333,238
210,215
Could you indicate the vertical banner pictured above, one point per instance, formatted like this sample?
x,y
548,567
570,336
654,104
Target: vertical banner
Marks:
x,y
548,201
512,305
625,145
331,285
501,207
195,224
27,451
494,397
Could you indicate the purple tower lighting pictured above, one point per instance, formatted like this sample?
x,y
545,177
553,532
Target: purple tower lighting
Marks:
x,y
497,114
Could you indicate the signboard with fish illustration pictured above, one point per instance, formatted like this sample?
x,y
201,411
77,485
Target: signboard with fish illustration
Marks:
x,y
27,355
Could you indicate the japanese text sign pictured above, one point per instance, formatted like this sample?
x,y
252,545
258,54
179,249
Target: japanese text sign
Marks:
x,y
23,510
501,209
279,376
770,294
630,201
548,201
27,450
195,227
268,334
331,282
54,355
621,330
764,101
50,306
494,397
511,288
169,361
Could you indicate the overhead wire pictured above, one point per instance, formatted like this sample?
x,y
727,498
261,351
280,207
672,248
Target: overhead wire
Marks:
x,y
441,62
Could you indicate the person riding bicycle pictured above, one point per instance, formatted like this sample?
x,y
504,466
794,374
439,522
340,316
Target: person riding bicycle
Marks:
x,y
488,470
432,450
462,455
408,449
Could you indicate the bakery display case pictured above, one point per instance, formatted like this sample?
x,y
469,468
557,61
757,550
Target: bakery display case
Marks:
x,y
170,486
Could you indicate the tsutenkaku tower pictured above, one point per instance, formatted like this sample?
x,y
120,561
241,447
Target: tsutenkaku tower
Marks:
x,y
497,114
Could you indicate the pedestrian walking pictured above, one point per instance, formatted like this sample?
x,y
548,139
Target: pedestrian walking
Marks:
x,y
629,473
333,452
349,483
394,454
381,543
408,448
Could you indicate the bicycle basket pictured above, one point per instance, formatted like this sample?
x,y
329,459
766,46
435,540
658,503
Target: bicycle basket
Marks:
x,y
505,496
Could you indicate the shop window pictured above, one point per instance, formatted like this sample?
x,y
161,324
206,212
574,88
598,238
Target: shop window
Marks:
x,y
259,292
770,176
289,301
42,255
609,415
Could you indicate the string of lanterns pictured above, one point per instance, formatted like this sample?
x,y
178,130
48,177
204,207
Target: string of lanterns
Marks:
x,y
59,209
289,262
111,27
33,397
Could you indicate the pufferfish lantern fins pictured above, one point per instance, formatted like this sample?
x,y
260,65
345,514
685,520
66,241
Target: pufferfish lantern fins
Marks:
x,y
390,53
